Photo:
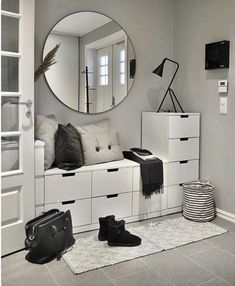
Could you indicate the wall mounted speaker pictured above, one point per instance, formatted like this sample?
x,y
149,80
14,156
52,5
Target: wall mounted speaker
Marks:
x,y
217,55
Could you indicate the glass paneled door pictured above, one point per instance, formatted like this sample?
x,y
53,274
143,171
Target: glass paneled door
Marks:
x,y
17,130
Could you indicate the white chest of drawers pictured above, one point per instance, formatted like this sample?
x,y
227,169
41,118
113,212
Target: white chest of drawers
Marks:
x,y
174,138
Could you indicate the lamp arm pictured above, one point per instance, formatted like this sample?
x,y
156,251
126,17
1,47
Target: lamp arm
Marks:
x,y
169,87
174,73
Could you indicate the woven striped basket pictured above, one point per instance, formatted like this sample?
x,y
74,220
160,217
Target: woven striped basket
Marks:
x,y
198,202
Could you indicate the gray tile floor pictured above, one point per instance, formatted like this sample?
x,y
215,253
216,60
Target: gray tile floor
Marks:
x,y
210,262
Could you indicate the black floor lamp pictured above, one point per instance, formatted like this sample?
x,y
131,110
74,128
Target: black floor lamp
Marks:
x,y
159,72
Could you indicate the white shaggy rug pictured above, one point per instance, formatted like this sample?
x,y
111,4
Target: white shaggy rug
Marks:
x,y
90,253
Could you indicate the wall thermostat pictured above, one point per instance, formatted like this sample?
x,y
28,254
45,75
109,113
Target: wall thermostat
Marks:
x,y
223,86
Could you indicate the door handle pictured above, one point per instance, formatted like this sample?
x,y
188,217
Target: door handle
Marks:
x,y
183,162
112,196
28,104
68,202
112,170
68,174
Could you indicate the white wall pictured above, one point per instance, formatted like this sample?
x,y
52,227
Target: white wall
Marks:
x,y
197,23
149,25
64,75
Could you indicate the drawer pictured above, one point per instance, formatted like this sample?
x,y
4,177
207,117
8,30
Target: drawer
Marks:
x,y
111,181
157,202
39,210
39,158
182,171
137,181
183,149
39,191
80,210
118,205
59,188
175,196
184,126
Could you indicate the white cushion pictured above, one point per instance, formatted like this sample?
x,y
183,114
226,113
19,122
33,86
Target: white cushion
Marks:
x,y
46,127
102,126
101,148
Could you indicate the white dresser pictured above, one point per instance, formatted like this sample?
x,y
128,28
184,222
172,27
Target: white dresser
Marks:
x,y
174,138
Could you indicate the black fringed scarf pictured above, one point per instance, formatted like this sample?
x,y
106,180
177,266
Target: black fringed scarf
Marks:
x,y
151,174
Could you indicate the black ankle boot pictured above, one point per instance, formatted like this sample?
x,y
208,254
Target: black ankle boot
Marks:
x,y
104,227
118,236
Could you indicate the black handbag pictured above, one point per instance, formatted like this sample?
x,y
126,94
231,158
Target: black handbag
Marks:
x,y
48,236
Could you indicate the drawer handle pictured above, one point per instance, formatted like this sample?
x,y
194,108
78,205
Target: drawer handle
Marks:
x,y
184,162
112,170
112,196
184,116
184,139
180,185
68,175
68,202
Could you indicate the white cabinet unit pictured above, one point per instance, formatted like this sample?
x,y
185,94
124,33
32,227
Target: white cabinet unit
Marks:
x,y
174,138
95,191
115,188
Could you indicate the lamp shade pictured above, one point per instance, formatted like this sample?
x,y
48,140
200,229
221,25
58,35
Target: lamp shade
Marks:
x,y
159,69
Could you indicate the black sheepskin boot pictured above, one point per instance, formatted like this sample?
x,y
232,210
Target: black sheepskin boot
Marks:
x,y
104,227
118,236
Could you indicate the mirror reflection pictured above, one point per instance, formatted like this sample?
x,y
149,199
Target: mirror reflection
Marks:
x,y
95,63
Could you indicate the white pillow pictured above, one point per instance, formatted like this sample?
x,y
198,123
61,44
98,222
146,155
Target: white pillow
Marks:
x,y
101,148
46,127
102,126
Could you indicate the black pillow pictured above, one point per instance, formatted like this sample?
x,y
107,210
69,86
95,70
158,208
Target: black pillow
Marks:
x,y
68,148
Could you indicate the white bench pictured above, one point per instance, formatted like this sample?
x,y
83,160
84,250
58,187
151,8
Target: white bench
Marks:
x,y
98,190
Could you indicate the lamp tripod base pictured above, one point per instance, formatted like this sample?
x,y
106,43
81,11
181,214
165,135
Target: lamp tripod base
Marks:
x,y
173,97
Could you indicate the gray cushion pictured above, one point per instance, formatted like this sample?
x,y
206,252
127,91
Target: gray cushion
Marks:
x,y
101,126
101,148
46,127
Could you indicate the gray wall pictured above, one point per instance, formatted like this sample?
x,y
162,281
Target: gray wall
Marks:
x,y
197,23
63,77
149,25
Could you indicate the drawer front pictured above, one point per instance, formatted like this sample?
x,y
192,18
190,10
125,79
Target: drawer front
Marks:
x,y
39,161
80,210
183,149
39,210
118,205
184,126
175,196
183,171
39,191
111,181
59,188
157,202
137,181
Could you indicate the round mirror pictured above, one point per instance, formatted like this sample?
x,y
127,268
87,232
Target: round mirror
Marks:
x,y
95,62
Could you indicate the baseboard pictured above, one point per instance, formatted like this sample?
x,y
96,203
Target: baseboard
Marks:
x,y
225,215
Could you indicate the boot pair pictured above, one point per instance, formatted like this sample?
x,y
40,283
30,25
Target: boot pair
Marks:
x,y
114,232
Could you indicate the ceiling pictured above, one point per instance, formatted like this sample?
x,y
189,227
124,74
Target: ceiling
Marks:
x,y
80,23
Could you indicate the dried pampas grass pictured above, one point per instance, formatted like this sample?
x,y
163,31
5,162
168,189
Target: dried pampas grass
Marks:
x,y
48,61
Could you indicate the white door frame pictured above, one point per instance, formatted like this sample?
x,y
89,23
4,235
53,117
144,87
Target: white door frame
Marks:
x,y
17,194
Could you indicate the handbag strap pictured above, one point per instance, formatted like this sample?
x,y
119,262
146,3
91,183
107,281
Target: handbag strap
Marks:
x,y
54,232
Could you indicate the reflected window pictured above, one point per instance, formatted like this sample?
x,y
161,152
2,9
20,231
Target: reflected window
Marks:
x,y
122,66
104,70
